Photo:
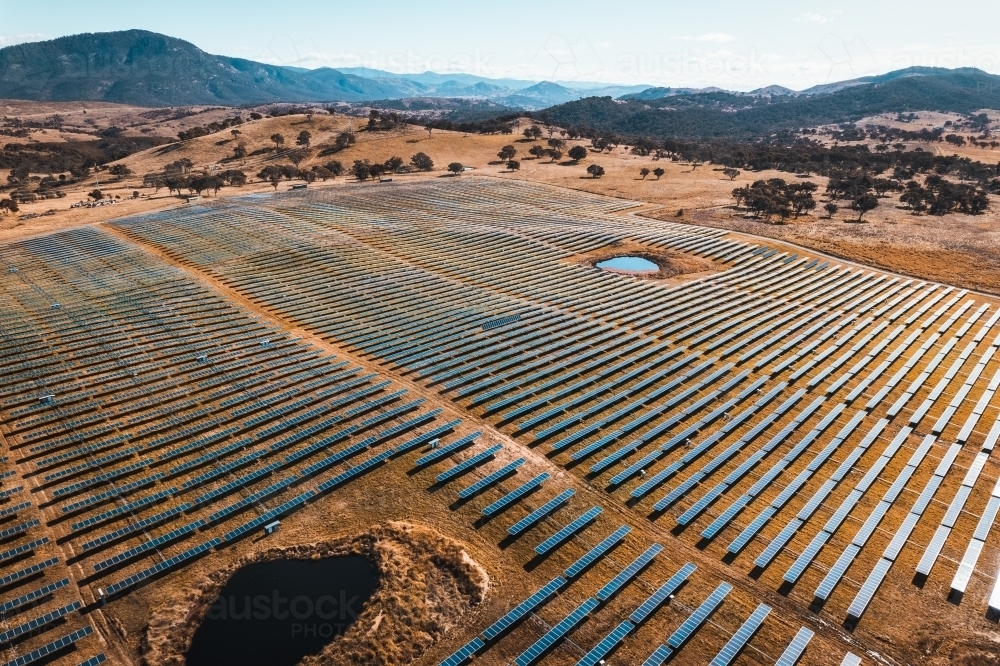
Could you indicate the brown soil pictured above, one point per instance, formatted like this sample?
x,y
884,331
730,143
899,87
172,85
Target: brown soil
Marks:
x,y
427,582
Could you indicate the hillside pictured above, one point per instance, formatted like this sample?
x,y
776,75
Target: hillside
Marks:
x,y
724,115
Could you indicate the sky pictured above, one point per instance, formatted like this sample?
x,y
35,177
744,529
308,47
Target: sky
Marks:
x,y
732,45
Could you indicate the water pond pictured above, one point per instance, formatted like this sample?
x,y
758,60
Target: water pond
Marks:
x,y
275,613
631,264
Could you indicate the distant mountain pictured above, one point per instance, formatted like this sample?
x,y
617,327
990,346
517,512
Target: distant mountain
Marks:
x,y
148,69
750,115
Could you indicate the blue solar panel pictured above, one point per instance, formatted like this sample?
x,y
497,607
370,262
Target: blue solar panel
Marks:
x,y
489,480
628,573
447,450
660,655
428,436
597,551
167,564
39,622
541,512
733,646
795,649
515,494
462,655
554,634
466,465
24,548
28,571
8,606
357,470
609,642
94,661
699,615
523,608
657,598
54,646
566,532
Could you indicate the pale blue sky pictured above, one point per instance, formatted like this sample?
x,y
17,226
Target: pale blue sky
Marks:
x,y
734,45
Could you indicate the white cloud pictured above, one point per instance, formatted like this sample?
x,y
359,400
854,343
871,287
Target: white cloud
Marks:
x,y
814,18
715,37
10,40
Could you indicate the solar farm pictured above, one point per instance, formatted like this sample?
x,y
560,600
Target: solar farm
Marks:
x,y
787,460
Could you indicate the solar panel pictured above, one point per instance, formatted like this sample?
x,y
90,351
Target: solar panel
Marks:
x,y
39,622
95,660
851,659
357,470
795,649
462,655
660,655
550,637
566,532
54,646
466,465
515,494
597,551
628,573
31,570
523,608
162,566
733,646
699,615
150,545
447,450
657,598
616,636
489,480
540,512
428,436
24,548
8,606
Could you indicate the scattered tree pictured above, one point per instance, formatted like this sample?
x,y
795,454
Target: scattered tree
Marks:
x,y
422,162
831,209
555,154
577,153
394,164
596,171
456,168
120,171
513,165
322,173
278,140
507,153
303,139
8,205
864,203
361,170
537,151
644,172
335,168
658,172
533,133
96,195
731,173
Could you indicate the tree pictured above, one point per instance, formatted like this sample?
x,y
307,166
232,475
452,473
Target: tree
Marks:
x,y
556,143
344,140
831,209
595,170
577,153
555,154
96,195
335,167
272,174
658,172
322,173
864,203
298,155
513,165
278,140
8,205
422,162
507,153
361,170
236,133
240,151
731,173
303,139
802,201
533,133
537,151
120,171
456,168
644,172
394,164
376,170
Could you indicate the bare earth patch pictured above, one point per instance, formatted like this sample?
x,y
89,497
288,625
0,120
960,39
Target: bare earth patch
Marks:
x,y
426,583
672,264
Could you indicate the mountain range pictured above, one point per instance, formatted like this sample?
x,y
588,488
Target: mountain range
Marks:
x,y
149,69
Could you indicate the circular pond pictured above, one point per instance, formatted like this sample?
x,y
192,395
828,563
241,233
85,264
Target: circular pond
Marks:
x,y
275,613
629,264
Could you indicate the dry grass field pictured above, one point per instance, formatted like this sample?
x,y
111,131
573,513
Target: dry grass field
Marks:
x,y
804,431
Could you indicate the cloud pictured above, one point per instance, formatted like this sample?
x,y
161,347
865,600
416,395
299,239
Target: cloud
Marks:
x,y
714,37
10,40
814,18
